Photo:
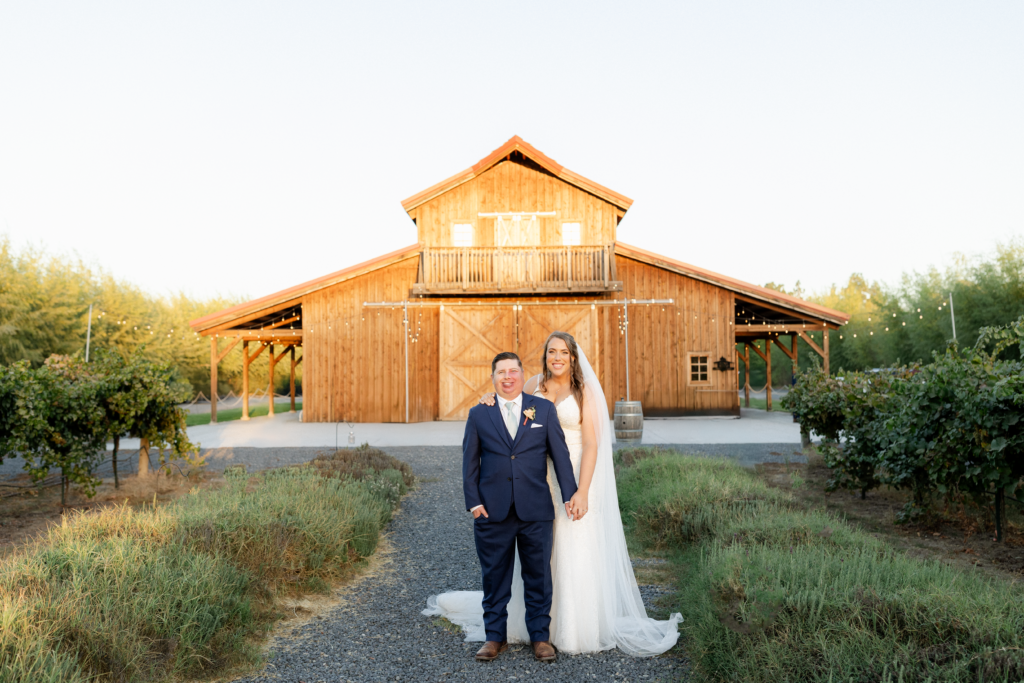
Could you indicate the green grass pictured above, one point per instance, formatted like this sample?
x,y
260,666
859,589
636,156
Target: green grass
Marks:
x,y
762,404
226,415
772,593
186,589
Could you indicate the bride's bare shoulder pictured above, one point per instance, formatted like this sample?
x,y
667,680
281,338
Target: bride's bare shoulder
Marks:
x,y
531,385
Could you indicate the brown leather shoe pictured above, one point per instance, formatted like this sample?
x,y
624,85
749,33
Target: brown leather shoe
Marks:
x,y
491,650
544,651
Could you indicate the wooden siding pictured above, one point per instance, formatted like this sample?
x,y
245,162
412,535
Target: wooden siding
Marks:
x,y
356,371
354,367
516,186
660,339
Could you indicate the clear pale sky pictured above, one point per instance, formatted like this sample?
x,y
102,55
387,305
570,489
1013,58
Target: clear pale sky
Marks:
x,y
243,147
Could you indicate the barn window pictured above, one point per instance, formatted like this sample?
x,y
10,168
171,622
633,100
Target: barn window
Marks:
x,y
700,368
570,234
462,234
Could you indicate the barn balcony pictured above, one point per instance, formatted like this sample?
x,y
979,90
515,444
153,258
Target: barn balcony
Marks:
x,y
534,270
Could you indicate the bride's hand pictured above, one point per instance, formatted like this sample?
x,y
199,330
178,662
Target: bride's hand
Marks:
x,y
487,399
578,505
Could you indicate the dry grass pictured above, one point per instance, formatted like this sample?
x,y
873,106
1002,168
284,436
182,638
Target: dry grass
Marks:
x,y
187,588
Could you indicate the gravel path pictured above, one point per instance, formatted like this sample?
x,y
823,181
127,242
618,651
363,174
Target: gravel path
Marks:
x,y
378,634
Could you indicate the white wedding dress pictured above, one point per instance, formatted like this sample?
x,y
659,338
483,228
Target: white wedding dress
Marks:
x,y
596,604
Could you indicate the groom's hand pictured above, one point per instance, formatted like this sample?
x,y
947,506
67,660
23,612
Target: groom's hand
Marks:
x,y
480,510
568,510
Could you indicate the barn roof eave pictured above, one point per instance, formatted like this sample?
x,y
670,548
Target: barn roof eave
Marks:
x,y
220,318
516,143
747,289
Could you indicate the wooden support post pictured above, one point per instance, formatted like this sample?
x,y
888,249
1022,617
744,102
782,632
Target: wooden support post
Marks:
x,y
796,362
768,385
214,362
291,380
825,335
245,380
143,458
746,375
270,388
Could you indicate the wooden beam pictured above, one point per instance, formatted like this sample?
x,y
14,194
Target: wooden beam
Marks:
x,y
257,353
299,361
744,328
795,356
291,381
816,323
746,374
281,323
245,378
786,351
250,317
265,335
826,352
232,345
270,389
810,342
753,346
768,386
214,360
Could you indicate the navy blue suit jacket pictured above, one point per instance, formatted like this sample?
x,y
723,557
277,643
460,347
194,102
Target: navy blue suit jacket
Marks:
x,y
497,470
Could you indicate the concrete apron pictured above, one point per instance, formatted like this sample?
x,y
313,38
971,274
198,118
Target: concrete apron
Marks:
x,y
285,431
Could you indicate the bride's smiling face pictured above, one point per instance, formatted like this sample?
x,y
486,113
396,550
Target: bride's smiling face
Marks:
x,y
558,358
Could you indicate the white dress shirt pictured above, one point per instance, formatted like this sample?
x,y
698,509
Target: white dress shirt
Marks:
x,y
517,410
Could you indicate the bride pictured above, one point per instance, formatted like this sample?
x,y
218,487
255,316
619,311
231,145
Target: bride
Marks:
x,y
596,604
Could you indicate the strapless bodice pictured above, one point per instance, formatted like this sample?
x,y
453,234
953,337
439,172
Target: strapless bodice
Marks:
x,y
569,417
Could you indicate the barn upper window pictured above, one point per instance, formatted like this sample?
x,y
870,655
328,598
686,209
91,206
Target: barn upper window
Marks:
x,y
462,235
570,234
699,368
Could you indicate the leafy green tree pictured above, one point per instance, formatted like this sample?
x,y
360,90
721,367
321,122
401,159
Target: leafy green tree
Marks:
x,y
140,398
58,422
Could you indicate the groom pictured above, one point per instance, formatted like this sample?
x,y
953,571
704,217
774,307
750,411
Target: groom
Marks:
x,y
505,455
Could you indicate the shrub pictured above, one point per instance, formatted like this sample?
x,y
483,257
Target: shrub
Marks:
x,y
181,590
358,463
771,593
674,500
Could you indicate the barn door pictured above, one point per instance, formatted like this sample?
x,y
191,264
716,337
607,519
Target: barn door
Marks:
x,y
537,322
471,336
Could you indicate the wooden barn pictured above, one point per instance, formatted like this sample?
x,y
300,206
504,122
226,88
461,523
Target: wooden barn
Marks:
x,y
507,251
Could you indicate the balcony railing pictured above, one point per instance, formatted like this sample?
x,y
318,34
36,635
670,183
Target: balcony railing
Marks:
x,y
449,270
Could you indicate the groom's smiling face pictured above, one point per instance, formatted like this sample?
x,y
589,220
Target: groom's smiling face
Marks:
x,y
508,379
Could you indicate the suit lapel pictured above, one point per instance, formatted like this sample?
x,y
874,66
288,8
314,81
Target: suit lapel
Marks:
x,y
521,429
499,421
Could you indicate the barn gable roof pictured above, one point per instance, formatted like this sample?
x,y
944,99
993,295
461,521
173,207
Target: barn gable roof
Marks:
x,y
293,294
746,289
286,296
517,144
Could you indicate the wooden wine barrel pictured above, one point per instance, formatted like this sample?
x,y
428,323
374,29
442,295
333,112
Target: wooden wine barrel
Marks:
x,y
629,422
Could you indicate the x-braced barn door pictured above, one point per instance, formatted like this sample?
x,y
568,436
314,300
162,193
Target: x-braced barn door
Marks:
x,y
537,322
472,335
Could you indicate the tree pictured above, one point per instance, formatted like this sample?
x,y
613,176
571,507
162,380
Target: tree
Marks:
x,y
140,399
58,422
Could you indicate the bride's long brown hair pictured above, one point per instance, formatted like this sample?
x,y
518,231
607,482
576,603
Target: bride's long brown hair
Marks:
x,y
575,372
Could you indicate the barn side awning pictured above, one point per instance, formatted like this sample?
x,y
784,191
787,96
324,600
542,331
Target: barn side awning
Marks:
x,y
774,309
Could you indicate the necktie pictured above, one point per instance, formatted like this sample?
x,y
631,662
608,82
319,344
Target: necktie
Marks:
x,y
511,421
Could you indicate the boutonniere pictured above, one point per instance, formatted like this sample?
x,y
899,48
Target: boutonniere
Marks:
x,y
529,414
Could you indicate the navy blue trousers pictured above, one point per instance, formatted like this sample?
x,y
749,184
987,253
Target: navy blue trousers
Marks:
x,y
496,547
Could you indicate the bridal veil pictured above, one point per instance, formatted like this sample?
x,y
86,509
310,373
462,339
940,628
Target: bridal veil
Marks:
x,y
623,620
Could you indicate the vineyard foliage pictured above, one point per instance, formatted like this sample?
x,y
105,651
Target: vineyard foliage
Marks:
x,y
60,415
953,426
